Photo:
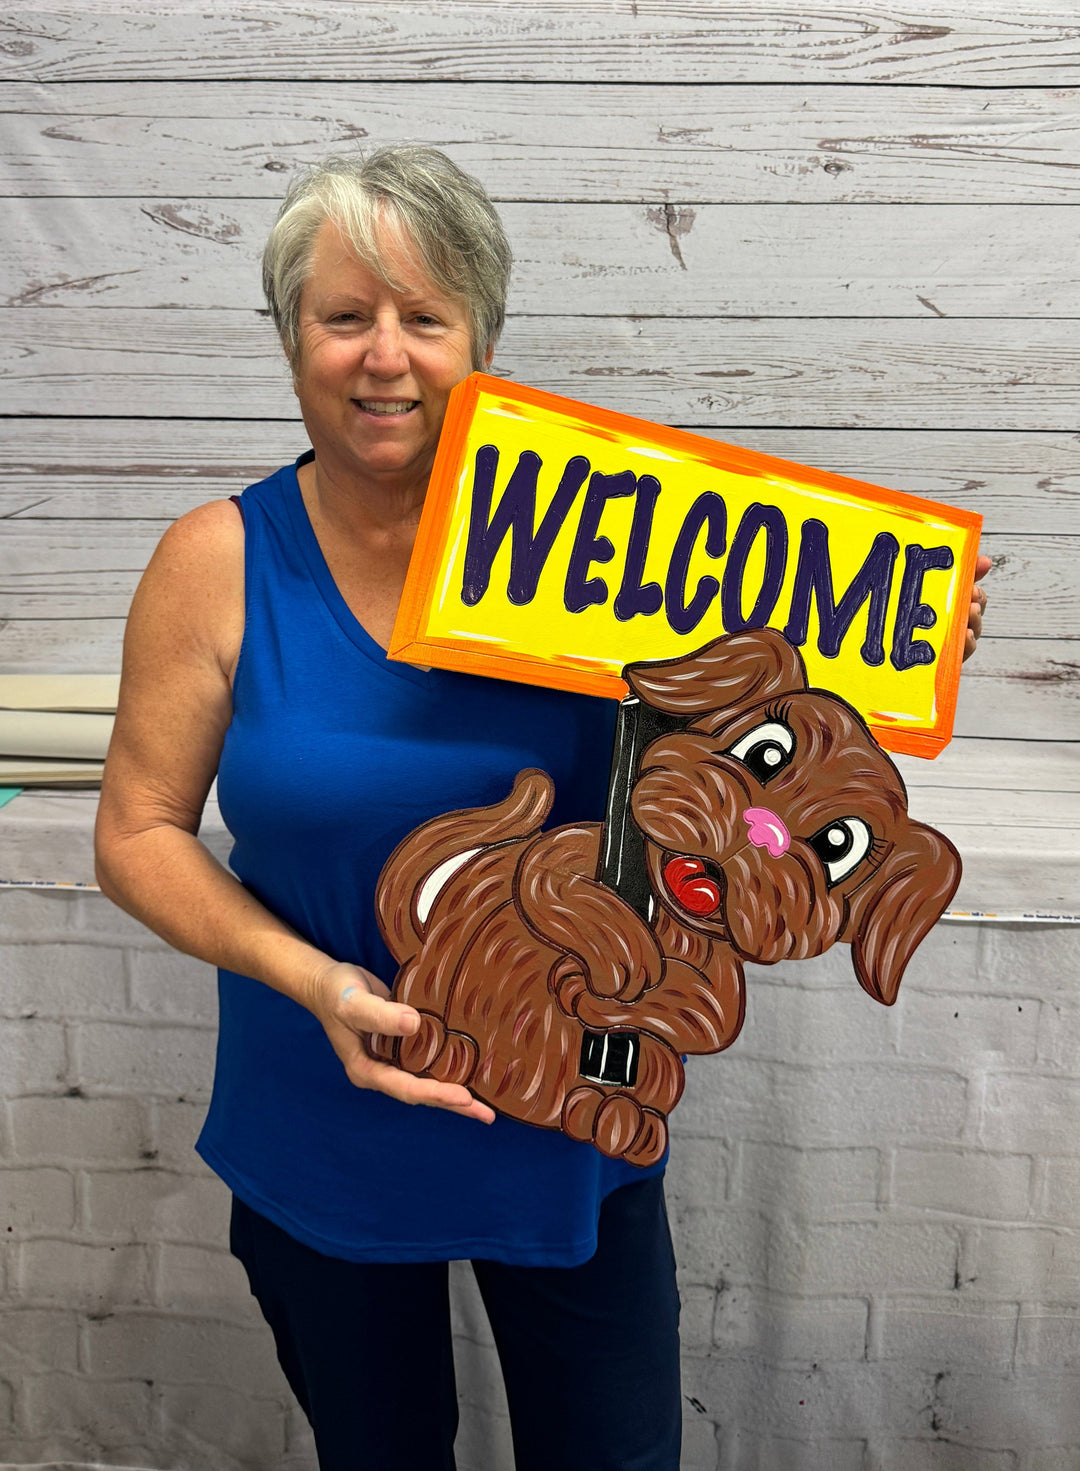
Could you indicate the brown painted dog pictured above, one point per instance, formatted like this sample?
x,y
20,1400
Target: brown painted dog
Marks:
x,y
774,826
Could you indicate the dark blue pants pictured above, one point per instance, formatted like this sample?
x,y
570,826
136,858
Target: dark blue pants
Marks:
x,y
590,1354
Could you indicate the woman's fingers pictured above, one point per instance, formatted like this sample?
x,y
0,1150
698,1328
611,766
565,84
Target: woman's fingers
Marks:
x,y
362,1011
374,985
360,1001
409,1089
355,1003
365,1071
976,608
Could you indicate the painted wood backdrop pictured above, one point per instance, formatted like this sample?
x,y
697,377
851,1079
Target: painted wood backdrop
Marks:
x,y
845,235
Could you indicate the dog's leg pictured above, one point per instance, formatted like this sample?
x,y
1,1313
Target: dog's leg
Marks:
x,y
423,852
689,1011
695,1012
566,907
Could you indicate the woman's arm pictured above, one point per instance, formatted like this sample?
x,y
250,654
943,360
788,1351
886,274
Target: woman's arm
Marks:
x,y
180,650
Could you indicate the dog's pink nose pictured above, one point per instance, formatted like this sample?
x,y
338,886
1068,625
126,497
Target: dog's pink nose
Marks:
x,y
767,831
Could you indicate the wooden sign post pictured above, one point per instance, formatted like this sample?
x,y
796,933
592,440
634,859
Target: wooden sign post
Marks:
x,y
560,542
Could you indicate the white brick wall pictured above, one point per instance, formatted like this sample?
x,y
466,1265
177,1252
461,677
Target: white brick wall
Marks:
x,y
875,1215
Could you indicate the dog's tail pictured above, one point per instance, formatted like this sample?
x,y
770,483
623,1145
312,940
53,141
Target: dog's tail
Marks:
x,y
427,858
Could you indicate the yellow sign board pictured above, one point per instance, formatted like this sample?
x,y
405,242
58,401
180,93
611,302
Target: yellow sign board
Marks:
x,y
560,542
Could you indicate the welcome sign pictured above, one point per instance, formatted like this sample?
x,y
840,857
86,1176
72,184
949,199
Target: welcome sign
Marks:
x,y
560,542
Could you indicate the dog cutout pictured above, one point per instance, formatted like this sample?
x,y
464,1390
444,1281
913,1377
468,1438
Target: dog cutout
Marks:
x,y
771,826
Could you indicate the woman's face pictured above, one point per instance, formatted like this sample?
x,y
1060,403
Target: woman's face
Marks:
x,y
376,365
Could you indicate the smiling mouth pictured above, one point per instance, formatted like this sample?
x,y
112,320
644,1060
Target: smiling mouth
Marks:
x,y
695,884
387,409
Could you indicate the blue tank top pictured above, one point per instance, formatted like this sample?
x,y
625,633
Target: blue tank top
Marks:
x,y
333,755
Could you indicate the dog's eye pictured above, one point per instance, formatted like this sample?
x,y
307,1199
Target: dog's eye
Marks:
x,y
766,749
842,845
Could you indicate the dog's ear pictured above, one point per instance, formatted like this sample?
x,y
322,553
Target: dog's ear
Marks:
x,y
907,897
733,670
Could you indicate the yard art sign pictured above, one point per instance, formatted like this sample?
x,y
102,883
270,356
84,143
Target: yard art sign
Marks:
x,y
765,622
560,542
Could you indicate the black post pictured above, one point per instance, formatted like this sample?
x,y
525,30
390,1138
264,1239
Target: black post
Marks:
x,y
622,848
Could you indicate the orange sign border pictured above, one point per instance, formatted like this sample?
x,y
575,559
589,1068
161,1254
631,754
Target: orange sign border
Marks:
x,y
409,642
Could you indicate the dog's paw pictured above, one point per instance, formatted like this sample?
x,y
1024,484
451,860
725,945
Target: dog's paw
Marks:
x,y
618,1121
580,1108
617,1125
650,1141
432,1051
418,1052
457,1059
380,1046
567,983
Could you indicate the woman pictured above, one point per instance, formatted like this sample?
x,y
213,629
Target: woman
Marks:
x,y
255,649
255,646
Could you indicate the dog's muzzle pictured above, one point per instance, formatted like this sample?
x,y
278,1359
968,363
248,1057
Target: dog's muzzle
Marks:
x,y
611,1058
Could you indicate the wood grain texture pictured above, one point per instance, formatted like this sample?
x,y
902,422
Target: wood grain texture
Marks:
x,y
932,373
1020,689
89,569
137,469
49,834
996,766
679,144
548,40
830,246
1042,815
764,260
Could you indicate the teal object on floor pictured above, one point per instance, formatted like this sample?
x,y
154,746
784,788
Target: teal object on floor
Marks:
x,y
6,794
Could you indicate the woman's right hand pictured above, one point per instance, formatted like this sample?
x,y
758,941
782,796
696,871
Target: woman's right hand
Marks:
x,y
351,1004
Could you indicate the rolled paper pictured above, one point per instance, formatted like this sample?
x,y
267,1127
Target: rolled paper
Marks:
x,y
38,771
54,734
90,693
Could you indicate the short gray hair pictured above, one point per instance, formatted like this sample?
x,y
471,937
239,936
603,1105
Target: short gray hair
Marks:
x,y
444,213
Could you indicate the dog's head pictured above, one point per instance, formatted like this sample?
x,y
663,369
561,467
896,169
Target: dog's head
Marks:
x,y
774,820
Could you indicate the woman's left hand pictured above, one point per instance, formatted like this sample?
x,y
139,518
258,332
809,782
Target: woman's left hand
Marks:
x,y
977,607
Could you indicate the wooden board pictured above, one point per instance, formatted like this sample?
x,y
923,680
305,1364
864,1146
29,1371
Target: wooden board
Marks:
x,y
139,469
546,40
49,835
673,197
934,373
1021,689
764,260
684,144
1014,688
1002,766
88,569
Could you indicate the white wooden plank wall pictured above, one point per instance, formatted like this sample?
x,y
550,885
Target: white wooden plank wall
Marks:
x,y
845,235
759,228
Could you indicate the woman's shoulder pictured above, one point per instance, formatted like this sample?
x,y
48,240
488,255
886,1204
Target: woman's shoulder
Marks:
x,y
204,538
194,582
204,546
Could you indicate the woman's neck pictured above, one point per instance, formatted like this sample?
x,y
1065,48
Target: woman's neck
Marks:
x,y
372,510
